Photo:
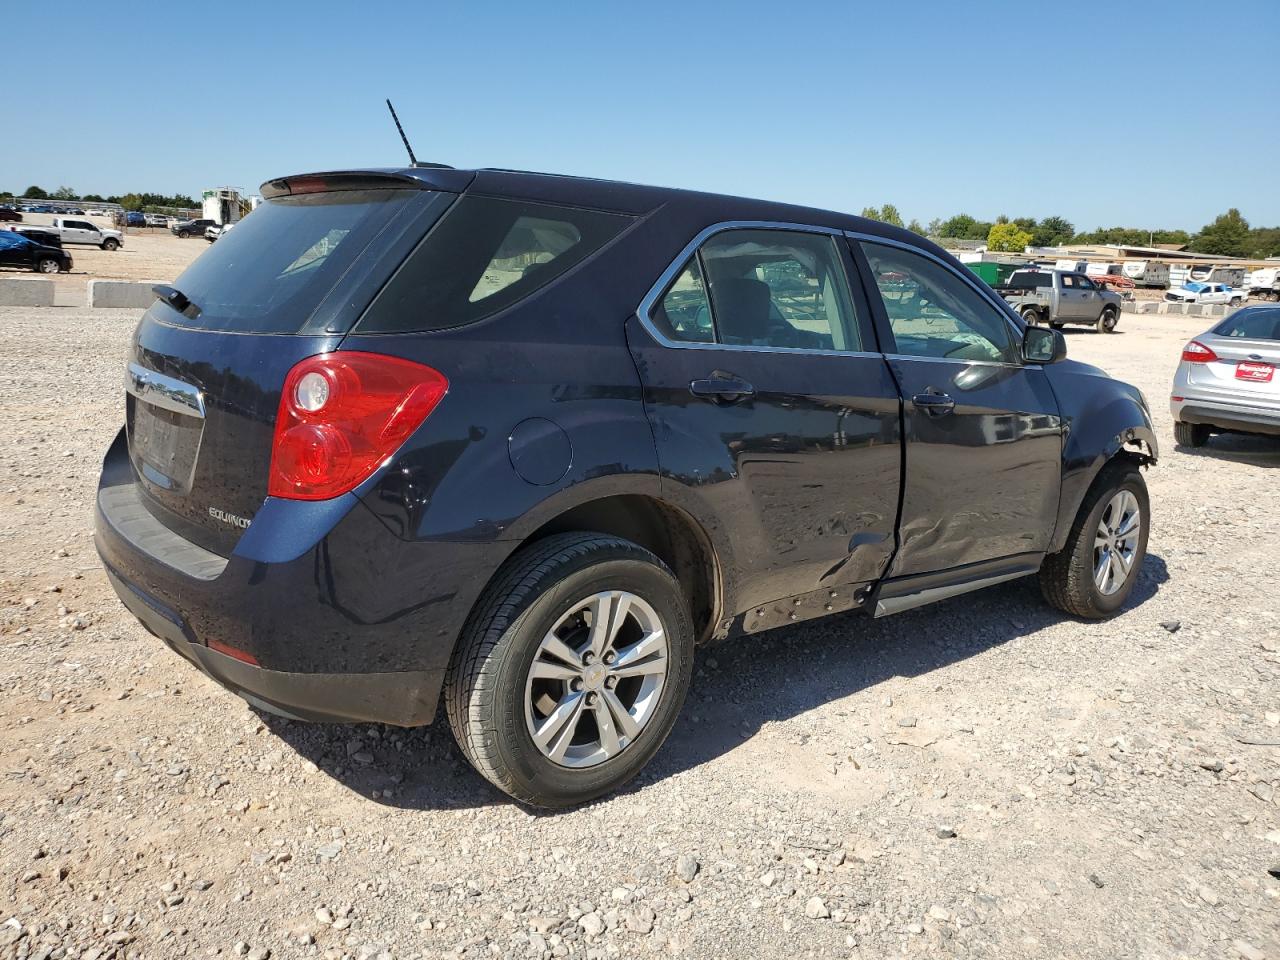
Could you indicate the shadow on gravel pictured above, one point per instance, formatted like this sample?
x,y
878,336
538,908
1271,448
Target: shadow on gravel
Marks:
x,y
1251,449
738,687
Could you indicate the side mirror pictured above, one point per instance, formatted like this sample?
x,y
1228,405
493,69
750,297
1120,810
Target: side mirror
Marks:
x,y
1042,345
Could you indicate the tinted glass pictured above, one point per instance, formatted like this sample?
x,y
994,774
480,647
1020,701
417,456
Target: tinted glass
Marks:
x,y
684,313
781,289
1030,278
270,272
484,255
1255,323
933,312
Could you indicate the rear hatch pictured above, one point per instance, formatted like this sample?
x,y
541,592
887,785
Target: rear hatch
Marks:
x,y
208,363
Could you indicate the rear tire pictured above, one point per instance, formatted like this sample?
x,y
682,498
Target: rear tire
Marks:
x,y
1107,322
1030,316
1191,434
182,234
1074,579
505,684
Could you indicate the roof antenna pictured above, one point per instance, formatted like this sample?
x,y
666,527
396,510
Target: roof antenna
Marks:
x,y
413,161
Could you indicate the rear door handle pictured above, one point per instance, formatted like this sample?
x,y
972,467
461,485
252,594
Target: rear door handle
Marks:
x,y
934,404
722,389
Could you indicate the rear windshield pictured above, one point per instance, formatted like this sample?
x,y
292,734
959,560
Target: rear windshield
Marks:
x,y
484,255
1029,278
1255,323
270,272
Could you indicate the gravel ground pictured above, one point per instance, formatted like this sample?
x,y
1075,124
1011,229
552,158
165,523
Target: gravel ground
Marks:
x,y
980,778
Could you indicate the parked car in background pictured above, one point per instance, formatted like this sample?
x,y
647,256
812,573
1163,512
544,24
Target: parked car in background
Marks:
x,y
17,250
10,215
1196,292
1227,382
97,213
1149,274
134,218
156,219
190,228
408,485
87,232
1060,297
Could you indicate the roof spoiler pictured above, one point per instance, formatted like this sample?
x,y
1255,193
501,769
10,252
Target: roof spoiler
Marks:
x,y
417,178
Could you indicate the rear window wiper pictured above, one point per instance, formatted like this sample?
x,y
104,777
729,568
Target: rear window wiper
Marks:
x,y
175,298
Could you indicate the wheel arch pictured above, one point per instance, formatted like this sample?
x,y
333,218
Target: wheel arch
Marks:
x,y
1135,442
667,531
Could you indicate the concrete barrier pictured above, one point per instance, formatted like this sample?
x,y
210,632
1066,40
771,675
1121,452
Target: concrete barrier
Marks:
x,y
134,294
1177,309
26,293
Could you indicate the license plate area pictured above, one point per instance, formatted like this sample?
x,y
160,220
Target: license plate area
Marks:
x,y
1254,372
165,422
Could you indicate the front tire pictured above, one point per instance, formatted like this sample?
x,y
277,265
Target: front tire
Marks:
x,y
1107,322
111,243
1094,573
1190,434
571,670
48,265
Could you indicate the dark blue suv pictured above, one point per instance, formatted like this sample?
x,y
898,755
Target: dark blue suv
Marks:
x,y
519,443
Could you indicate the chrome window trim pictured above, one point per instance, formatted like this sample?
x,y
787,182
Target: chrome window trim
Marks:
x,y
981,289
164,392
645,310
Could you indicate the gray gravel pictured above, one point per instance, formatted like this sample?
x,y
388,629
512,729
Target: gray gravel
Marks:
x,y
983,778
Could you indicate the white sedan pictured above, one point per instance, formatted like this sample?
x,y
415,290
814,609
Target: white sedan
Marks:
x,y
1205,293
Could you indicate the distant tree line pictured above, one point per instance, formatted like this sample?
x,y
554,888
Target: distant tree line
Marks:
x,y
1228,235
130,201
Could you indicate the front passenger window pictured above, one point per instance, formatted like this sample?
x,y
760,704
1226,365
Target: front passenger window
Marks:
x,y
934,313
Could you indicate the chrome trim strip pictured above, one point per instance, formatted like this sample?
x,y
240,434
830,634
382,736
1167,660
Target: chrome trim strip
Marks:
x,y
163,392
651,298
980,288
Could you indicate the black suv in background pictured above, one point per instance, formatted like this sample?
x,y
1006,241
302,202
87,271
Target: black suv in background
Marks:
x,y
520,442
190,228
26,253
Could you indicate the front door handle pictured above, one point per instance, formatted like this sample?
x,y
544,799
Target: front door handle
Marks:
x,y
934,404
722,389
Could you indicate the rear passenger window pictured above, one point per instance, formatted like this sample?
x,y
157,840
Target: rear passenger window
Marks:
x,y
483,256
781,289
933,312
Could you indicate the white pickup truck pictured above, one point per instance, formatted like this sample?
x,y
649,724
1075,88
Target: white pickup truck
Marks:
x,y
82,231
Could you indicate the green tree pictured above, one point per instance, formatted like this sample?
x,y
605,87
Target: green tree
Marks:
x,y
914,227
935,227
889,214
886,214
1227,235
64,193
35,193
1052,231
1007,238
958,226
93,197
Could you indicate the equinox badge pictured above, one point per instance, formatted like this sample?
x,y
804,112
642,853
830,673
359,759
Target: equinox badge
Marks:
x,y
223,517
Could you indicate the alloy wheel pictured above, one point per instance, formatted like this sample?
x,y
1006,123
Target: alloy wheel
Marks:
x,y
1116,542
596,679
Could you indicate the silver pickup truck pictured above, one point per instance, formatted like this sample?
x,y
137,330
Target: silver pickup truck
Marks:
x,y
1059,297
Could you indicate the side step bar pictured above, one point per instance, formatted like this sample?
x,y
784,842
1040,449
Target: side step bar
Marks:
x,y
904,593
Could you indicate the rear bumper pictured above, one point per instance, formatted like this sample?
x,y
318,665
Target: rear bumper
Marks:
x,y
324,615
1227,416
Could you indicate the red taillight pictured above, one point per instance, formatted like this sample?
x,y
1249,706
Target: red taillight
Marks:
x,y
1197,352
342,415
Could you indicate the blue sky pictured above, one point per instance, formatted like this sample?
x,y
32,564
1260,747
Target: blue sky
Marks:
x,y
939,107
